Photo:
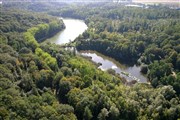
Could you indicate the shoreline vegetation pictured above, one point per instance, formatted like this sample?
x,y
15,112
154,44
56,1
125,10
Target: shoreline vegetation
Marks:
x,y
45,81
117,64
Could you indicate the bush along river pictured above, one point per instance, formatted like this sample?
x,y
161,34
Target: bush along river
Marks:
x,y
76,27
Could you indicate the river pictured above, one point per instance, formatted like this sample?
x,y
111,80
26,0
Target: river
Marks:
x,y
76,27
73,29
128,72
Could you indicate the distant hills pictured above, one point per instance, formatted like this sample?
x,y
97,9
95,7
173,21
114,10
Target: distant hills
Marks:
x,y
136,1
157,1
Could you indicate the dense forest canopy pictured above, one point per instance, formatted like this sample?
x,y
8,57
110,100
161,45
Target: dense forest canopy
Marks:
x,y
45,81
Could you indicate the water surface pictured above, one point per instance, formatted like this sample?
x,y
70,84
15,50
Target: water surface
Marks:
x,y
128,72
74,28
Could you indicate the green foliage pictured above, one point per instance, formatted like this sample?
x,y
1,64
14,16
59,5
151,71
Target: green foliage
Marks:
x,y
31,40
50,61
135,35
27,77
87,114
83,66
158,70
44,81
104,113
3,39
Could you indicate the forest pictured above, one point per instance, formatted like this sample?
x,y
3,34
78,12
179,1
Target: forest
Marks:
x,y
147,37
44,81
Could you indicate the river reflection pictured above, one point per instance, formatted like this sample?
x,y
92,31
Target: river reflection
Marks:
x,y
76,27
129,72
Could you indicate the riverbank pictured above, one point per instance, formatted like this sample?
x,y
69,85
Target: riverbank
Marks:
x,y
105,63
74,28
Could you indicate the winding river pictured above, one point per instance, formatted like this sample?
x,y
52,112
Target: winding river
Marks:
x,y
76,27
